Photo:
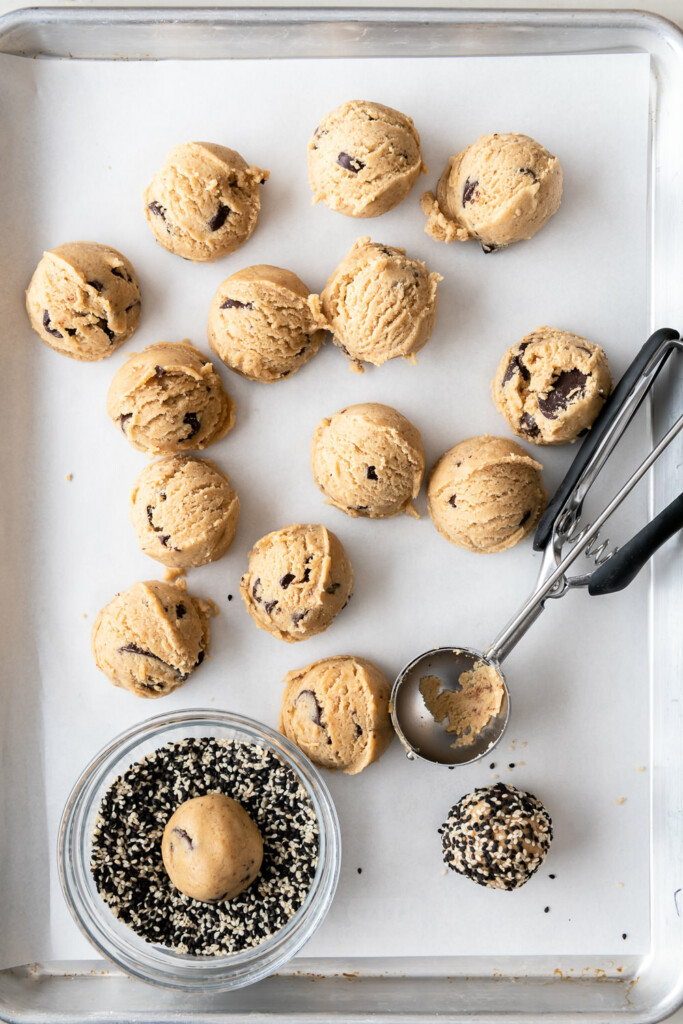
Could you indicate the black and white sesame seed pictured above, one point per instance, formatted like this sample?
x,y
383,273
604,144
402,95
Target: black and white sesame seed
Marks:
x,y
126,847
498,836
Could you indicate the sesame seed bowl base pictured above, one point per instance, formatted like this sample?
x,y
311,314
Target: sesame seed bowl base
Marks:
x,y
157,964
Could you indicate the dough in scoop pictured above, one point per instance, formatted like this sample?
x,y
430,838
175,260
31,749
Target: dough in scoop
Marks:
x,y
486,494
363,159
337,711
380,304
184,511
169,398
150,638
551,386
501,189
298,579
211,848
265,324
204,202
83,300
368,460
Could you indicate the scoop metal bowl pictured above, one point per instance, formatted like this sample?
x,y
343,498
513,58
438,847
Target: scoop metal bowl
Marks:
x,y
421,735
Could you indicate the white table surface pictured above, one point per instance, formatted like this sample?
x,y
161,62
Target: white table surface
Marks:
x,y
671,9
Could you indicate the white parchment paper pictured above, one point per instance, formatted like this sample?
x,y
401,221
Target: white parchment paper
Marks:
x,y
79,143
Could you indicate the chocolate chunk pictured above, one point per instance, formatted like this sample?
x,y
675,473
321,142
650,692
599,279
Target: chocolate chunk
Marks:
x,y
158,211
306,576
270,606
451,501
529,171
257,584
121,272
569,385
150,514
487,247
97,285
286,580
333,588
70,331
193,423
525,517
385,250
517,364
182,834
104,327
236,304
164,539
133,648
371,473
350,163
359,731
468,191
220,217
50,330
180,611
298,616
310,703
200,659
123,420
360,508
160,371
528,425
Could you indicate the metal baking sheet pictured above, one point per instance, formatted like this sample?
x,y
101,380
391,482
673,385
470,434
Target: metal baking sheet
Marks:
x,y
641,984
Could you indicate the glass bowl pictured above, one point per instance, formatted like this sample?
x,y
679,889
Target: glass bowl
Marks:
x,y
119,943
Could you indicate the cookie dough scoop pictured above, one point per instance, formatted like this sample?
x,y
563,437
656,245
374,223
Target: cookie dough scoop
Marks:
x,y
204,202
169,398
368,460
501,189
380,304
363,159
84,300
211,848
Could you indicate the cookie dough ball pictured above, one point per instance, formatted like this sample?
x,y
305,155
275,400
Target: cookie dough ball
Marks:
x,y
363,159
204,202
380,304
151,637
298,579
83,300
184,511
486,494
264,323
501,189
211,848
551,386
337,711
368,460
169,398
498,836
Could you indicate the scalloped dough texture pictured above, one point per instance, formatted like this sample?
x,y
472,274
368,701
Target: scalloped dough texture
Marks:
x,y
486,494
297,580
84,300
368,460
184,511
501,189
380,304
150,638
551,386
169,398
363,159
337,711
204,202
264,323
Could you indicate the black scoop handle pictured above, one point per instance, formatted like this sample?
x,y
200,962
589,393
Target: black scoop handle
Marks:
x,y
602,424
625,564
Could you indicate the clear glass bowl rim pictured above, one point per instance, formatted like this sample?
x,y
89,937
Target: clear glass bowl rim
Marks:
x,y
131,953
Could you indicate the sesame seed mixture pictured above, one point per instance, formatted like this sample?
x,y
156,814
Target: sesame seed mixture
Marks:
x,y
126,847
497,836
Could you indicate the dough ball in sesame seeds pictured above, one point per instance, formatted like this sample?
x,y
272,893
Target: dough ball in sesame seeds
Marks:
x,y
211,848
498,836
184,511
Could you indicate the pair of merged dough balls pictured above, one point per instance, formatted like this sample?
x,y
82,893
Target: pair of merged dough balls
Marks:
x,y
337,711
